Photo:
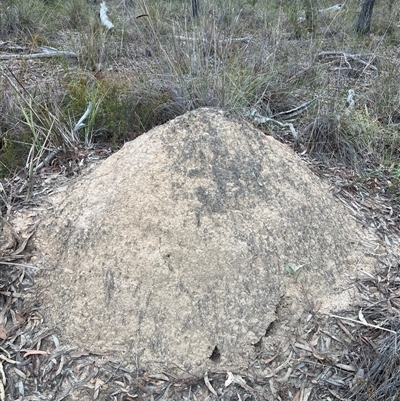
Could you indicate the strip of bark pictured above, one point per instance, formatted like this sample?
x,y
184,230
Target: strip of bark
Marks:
x,y
104,17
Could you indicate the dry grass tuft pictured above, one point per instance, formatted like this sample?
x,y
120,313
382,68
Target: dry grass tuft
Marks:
x,y
326,139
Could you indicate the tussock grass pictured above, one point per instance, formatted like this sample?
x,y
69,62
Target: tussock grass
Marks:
x,y
238,55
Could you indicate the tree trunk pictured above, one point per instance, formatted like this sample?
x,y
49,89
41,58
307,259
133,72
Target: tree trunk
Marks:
x,y
195,8
364,19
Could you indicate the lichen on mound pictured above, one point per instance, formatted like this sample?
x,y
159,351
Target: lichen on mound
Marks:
x,y
175,247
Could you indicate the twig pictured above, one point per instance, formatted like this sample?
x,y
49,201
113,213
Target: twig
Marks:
x,y
289,114
47,54
188,39
259,119
347,332
208,384
22,265
346,56
374,326
48,159
363,323
10,46
280,367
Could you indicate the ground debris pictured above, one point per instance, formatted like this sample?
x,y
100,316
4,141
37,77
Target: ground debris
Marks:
x,y
329,357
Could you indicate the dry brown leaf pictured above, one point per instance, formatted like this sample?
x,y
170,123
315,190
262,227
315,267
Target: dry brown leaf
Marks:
x,y
242,383
297,395
20,318
3,332
141,387
349,368
160,376
314,340
286,377
335,394
79,354
208,384
11,294
305,394
97,386
269,360
60,367
317,307
343,327
361,317
229,380
36,365
316,355
23,245
303,347
389,307
9,360
36,352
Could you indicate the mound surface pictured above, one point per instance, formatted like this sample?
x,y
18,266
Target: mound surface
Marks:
x,y
175,247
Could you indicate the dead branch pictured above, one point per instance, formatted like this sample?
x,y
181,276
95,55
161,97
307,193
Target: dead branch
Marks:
x,y
47,54
259,119
245,39
48,159
352,57
289,114
284,115
12,47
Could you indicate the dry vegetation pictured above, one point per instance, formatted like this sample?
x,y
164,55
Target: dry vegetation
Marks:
x,y
258,59
243,56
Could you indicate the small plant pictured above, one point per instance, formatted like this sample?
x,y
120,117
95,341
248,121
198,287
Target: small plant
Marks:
x,y
294,271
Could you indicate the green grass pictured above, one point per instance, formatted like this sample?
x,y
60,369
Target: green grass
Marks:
x,y
238,55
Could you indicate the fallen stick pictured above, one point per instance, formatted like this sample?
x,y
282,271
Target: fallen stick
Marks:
x,y
349,56
48,159
58,53
259,119
245,39
289,114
